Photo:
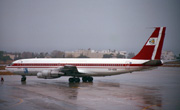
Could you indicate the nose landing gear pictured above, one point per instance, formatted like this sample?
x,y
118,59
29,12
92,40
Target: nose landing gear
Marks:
x,y
2,79
23,79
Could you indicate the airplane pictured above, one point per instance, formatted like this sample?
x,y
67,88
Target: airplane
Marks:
x,y
87,68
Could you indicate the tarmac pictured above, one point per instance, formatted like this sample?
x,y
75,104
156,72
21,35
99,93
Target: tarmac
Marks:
x,y
147,90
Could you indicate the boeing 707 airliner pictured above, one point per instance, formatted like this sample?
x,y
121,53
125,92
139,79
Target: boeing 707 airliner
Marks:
x,y
87,68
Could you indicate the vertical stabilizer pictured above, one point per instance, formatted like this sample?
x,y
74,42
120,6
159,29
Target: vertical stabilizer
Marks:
x,y
153,47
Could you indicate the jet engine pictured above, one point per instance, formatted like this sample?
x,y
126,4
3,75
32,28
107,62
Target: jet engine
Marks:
x,y
49,74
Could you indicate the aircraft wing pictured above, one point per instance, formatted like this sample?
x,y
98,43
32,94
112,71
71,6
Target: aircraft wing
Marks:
x,y
69,70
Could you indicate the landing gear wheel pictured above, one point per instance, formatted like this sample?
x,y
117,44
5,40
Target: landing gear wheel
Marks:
x,y
71,80
23,79
77,80
84,79
89,79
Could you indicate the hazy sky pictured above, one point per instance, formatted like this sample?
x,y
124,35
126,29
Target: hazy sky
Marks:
x,y
47,25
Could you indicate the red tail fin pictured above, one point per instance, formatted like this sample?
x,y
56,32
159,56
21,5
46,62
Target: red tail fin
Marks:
x,y
153,46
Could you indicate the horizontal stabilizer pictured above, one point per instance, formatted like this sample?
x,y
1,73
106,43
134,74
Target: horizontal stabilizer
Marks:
x,y
153,63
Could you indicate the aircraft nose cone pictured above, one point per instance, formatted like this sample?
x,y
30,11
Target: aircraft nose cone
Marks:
x,y
6,68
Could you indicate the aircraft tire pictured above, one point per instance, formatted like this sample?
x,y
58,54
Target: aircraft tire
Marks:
x,y
77,80
90,79
71,80
84,79
23,79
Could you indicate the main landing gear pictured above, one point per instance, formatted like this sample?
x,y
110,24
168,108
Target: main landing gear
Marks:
x,y
84,79
71,80
23,79
87,79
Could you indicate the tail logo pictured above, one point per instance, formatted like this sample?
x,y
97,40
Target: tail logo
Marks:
x,y
152,41
25,70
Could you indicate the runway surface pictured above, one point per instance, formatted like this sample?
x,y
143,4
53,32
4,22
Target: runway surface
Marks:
x,y
157,89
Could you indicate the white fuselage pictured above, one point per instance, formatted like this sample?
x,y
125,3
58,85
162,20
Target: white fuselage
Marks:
x,y
48,68
87,66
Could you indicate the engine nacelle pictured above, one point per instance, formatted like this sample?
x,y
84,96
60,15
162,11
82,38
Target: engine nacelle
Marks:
x,y
49,74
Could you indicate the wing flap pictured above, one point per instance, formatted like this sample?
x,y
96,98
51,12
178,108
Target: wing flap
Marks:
x,y
69,70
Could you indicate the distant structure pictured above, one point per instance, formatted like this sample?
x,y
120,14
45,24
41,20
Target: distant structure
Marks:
x,y
167,55
93,53
12,56
89,53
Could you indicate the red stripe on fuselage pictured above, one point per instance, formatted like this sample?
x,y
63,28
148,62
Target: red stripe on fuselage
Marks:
x,y
56,65
63,64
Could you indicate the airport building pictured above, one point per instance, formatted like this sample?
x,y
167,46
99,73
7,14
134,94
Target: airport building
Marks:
x,y
167,55
12,56
89,53
93,53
